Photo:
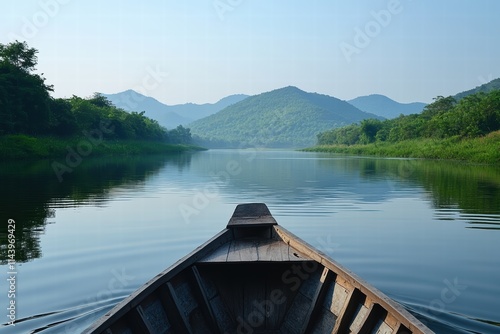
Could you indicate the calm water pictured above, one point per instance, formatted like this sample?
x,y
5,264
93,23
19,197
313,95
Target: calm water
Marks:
x,y
426,233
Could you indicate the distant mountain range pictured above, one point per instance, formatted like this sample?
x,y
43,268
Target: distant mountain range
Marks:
x,y
282,117
286,117
169,116
383,106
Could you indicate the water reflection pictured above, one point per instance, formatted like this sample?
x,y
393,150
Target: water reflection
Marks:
x,y
303,183
463,192
31,191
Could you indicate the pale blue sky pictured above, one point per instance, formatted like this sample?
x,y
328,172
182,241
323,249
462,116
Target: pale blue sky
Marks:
x,y
202,50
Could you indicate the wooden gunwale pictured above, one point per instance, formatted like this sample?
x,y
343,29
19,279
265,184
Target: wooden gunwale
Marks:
x,y
405,317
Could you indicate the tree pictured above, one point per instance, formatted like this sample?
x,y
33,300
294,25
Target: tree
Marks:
x,y
100,100
63,121
24,96
19,55
180,135
439,106
369,129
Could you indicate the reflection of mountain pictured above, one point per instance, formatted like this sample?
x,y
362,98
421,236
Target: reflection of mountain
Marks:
x,y
315,179
29,191
298,177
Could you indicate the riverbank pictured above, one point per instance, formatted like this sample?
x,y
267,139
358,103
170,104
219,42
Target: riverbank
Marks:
x,y
477,150
19,147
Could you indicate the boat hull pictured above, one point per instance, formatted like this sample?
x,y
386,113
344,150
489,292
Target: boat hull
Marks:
x,y
257,277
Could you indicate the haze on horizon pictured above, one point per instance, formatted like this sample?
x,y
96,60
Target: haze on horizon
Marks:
x,y
200,51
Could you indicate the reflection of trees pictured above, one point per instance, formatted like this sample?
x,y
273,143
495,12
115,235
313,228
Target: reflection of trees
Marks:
x,y
28,190
474,189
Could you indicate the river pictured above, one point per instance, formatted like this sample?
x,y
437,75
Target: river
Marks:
x,y
426,233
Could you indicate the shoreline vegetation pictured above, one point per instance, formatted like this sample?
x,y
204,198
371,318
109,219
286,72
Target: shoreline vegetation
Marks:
x,y
464,130
24,147
483,150
34,125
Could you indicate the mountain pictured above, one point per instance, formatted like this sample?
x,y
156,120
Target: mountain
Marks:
x,y
486,88
383,106
169,116
286,117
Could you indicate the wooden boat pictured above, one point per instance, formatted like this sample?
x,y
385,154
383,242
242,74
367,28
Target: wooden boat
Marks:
x,y
256,277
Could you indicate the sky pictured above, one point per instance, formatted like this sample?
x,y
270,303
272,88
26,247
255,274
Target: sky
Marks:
x,y
200,51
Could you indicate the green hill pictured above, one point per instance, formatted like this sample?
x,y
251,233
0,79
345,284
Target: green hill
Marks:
x,y
486,88
286,117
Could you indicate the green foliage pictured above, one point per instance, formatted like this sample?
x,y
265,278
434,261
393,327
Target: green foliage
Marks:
x,y
485,88
19,55
21,147
26,108
179,135
24,97
284,117
479,150
473,116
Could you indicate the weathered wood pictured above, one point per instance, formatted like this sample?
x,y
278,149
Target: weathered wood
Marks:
x,y
268,250
316,300
255,276
154,315
218,255
375,318
242,250
253,214
205,304
273,250
348,312
184,325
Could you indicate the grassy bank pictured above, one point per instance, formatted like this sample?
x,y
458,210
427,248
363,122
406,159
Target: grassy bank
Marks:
x,y
25,147
478,150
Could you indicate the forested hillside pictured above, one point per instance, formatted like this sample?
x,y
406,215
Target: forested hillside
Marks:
x,y
484,88
473,116
286,117
27,108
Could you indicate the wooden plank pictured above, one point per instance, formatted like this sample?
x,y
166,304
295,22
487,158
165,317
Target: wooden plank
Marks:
x,y
324,322
296,314
154,315
205,303
144,319
301,309
272,250
222,314
242,250
218,255
360,319
375,320
346,317
184,322
337,301
254,293
250,215
316,300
